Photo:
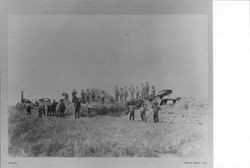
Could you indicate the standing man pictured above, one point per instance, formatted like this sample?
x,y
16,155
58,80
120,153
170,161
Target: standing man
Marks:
x,y
116,93
146,90
142,89
132,92
83,96
74,96
77,108
102,97
28,108
137,93
53,108
121,94
49,109
43,109
132,112
153,91
88,96
125,93
62,108
143,112
156,110
40,110
93,95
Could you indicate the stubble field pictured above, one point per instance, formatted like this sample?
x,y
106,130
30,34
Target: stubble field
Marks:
x,y
181,132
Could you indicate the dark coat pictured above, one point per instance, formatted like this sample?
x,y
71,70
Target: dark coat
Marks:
x,y
62,107
77,105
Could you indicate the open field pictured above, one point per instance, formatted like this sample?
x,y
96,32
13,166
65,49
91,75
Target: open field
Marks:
x,y
181,132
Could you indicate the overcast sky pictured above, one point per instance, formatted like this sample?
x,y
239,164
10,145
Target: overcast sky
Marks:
x,y
50,54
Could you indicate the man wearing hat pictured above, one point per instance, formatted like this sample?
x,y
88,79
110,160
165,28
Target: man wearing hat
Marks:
x,y
62,108
132,112
156,110
77,108
116,93
143,112
74,93
87,96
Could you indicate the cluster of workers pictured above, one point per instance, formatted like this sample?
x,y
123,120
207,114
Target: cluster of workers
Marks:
x,y
48,108
134,93
87,96
143,109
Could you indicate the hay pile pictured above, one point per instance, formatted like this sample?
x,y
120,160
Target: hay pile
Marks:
x,y
103,109
107,96
95,107
70,108
192,104
185,110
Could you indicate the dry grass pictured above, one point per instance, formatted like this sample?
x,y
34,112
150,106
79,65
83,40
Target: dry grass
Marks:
x,y
108,136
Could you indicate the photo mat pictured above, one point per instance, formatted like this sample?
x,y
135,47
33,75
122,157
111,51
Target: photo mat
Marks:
x,y
49,55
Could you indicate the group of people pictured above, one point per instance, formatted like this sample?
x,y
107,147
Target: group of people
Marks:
x,y
44,108
143,109
134,93
88,96
50,109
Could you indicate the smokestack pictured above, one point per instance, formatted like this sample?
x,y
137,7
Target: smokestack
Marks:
x,y
21,96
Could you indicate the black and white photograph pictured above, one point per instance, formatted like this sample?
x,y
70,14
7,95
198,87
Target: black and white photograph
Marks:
x,y
109,86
